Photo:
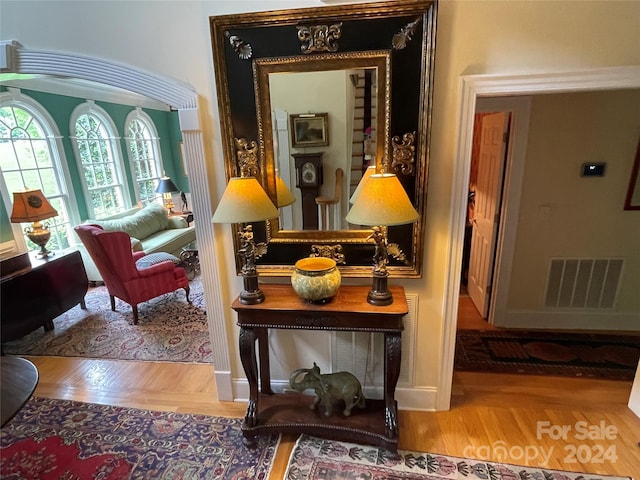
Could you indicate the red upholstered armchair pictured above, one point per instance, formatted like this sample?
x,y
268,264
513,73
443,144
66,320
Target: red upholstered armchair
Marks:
x,y
111,252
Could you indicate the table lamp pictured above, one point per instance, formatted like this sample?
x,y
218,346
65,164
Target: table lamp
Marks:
x,y
382,202
32,206
243,201
166,187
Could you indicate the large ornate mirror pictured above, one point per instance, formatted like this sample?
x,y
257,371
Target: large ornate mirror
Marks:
x,y
313,97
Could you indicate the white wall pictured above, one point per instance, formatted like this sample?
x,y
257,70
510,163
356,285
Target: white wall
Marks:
x,y
172,38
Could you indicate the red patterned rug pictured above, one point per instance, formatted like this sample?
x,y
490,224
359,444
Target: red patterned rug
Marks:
x,y
169,330
612,357
62,439
317,459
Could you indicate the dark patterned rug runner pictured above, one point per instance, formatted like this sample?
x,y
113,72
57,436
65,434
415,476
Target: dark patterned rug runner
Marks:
x,y
64,439
564,354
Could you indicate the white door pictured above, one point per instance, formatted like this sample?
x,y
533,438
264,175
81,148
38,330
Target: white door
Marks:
x,y
488,191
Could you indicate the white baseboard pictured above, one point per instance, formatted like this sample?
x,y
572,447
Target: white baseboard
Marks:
x,y
224,386
420,399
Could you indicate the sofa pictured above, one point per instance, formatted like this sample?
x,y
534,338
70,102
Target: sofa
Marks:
x,y
150,229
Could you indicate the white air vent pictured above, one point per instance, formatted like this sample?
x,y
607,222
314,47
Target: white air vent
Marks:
x,y
584,283
363,353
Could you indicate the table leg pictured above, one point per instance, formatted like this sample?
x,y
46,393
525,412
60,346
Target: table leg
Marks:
x,y
392,352
250,365
265,373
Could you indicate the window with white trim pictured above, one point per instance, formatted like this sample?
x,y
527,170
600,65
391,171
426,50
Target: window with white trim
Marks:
x,y
99,160
143,146
32,157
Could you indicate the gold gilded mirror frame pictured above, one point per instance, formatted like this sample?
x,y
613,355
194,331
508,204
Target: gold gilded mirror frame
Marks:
x,y
405,31
348,61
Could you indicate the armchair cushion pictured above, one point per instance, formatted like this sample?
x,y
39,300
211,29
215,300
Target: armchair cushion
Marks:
x,y
156,258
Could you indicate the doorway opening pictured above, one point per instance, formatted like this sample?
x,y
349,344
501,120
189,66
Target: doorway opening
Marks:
x,y
496,163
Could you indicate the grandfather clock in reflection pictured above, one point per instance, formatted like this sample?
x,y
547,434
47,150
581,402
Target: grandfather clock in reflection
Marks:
x,y
309,181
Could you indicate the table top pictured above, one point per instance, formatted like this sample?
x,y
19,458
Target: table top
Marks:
x,y
351,298
36,262
19,378
347,310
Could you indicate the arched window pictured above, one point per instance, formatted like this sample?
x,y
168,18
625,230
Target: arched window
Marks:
x,y
144,154
99,160
32,157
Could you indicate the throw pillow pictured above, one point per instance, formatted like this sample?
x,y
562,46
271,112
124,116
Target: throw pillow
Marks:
x,y
155,258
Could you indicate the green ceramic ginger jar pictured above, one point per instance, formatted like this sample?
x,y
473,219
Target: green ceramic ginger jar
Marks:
x,y
316,279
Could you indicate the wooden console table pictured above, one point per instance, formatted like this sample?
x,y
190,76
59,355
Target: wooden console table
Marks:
x,y
267,412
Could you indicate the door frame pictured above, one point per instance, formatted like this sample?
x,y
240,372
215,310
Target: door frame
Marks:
x,y
472,88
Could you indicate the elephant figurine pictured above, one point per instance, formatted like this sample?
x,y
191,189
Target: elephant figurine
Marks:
x,y
329,388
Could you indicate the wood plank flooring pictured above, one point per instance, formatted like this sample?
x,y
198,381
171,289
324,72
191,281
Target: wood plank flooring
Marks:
x,y
488,411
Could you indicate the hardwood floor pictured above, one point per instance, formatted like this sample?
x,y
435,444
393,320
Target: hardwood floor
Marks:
x,y
487,409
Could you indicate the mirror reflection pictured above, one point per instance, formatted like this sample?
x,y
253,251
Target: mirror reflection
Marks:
x,y
349,100
340,101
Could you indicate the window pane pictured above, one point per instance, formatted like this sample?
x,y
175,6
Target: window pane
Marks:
x,y
27,161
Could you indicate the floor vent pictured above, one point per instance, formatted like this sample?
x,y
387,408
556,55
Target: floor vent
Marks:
x,y
583,283
363,353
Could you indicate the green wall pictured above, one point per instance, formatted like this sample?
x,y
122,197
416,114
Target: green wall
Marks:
x,y
60,108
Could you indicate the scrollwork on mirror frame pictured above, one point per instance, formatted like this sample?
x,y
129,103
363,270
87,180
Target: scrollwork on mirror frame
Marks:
x,y
242,48
401,39
330,251
247,157
404,153
319,38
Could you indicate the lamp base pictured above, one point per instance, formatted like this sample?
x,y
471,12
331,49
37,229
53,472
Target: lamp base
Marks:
x,y
40,236
379,294
251,293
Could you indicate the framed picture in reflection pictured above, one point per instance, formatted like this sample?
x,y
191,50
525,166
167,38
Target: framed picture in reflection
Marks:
x,y
309,130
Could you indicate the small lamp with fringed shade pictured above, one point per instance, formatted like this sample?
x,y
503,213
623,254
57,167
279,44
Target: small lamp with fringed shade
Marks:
x,y
32,206
381,202
243,201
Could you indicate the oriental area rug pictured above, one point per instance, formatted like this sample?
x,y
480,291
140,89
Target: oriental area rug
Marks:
x,y
169,330
316,459
612,357
63,439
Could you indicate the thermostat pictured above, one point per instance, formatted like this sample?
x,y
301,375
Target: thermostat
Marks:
x,y
593,169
